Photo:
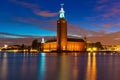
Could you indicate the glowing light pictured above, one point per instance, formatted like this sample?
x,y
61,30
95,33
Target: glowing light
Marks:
x,y
89,49
94,54
89,54
63,47
5,46
46,50
62,12
15,51
91,67
33,50
94,48
42,54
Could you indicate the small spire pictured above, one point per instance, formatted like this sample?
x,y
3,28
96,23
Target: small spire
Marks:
x,y
62,12
43,40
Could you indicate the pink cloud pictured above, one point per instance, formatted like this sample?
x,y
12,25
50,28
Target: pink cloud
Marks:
x,y
4,34
51,25
72,29
101,7
107,38
102,1
35,9
110,9
107,25
118,24
113,12
46,13
28,5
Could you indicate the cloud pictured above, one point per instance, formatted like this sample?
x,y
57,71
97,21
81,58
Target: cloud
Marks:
x,y
52,25
46,13
77,30
17,39
118,24
35,9
101,7
106,15
102,1
107,25
111,25
109,8
25,4
7,35
107,39
47,24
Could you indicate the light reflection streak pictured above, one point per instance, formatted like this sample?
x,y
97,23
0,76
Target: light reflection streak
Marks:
x,y
93,75
88,72
75,68
91,67
4,66
23,66
42,66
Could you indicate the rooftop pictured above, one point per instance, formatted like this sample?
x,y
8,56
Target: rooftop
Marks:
x,y
68,39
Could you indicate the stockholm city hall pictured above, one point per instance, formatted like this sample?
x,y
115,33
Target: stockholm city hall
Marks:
x,y
62,41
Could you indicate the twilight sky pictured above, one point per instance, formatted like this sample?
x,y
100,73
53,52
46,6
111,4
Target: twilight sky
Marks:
x,y
27,18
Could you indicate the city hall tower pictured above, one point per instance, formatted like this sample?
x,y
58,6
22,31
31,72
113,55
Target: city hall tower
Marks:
x,y
61,31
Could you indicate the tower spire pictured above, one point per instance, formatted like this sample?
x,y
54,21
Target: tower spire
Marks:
x,y
61,5
62,12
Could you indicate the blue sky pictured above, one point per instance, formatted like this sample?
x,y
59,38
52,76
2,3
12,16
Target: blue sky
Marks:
x,y
38,18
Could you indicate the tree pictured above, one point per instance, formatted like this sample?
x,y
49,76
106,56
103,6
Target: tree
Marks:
x,y
35,44
99,45
22,46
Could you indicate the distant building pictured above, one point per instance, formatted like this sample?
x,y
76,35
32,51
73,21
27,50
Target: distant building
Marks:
x,y
11,47
112,47
62,42
97,46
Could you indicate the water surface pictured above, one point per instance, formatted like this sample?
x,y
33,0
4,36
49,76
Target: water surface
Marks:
x,y
56,66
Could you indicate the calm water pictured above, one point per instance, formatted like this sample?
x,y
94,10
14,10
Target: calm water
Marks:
x,y
65,66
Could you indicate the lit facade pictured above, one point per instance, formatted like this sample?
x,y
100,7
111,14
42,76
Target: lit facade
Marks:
x,y
71,46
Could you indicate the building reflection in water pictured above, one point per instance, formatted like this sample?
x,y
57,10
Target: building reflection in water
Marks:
x,y
70,66
75,67
64,67
61,66
91,71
